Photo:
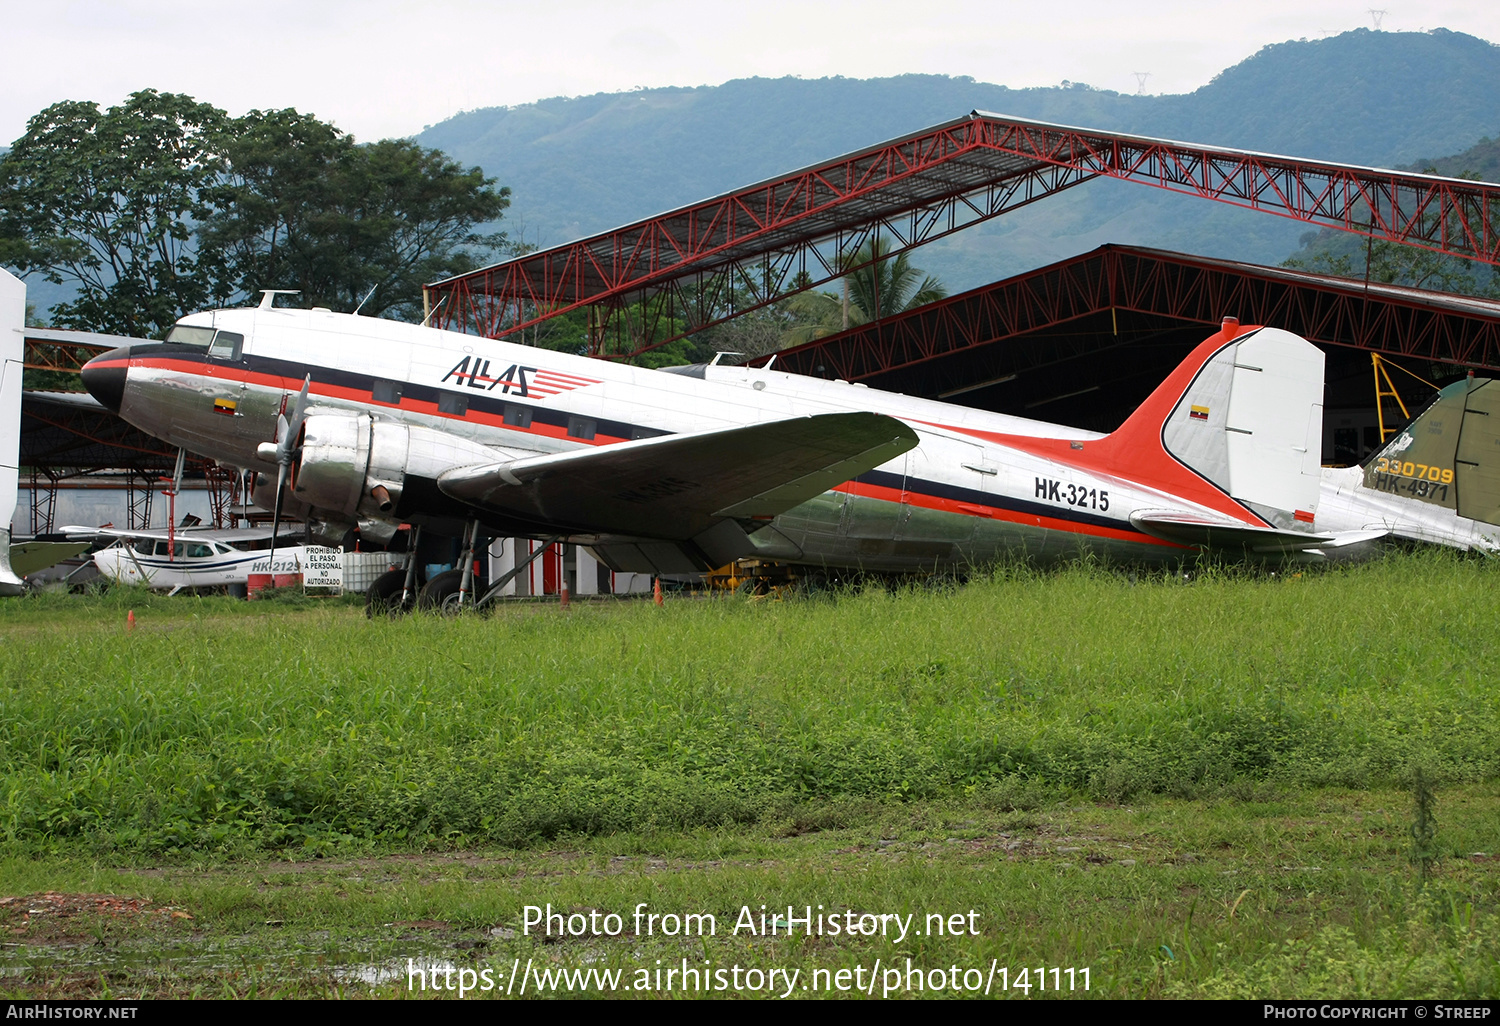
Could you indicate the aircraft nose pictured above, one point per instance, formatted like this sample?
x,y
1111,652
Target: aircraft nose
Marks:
x,y
104,377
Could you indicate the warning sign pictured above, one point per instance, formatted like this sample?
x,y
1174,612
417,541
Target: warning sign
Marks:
x,y
323,568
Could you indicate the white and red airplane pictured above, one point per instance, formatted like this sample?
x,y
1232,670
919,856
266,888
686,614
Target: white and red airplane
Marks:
x,y
376,423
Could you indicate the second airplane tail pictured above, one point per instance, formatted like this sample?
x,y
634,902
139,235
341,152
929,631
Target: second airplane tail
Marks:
x,y
1449,455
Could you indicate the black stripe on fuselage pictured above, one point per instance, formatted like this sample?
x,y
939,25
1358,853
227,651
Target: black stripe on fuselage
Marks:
x,y
355,381
958,493
495,407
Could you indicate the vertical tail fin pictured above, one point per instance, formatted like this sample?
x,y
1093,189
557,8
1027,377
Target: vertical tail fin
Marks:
x,y
12,356
1244,412
1449,455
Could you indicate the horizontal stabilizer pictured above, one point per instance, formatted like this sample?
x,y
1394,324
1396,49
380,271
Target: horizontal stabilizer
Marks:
x,y
29,557
1218,535
678,486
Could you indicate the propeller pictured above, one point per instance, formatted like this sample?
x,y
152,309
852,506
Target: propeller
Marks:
x,y
286,440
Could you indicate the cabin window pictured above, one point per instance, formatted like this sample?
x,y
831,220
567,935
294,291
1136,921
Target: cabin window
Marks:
x,y
143,546
386,392
582,427
191,335
197,550
227,345
517,416
457,405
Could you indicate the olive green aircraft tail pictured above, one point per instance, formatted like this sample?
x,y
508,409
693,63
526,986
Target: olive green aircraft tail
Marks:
x,y
1449,455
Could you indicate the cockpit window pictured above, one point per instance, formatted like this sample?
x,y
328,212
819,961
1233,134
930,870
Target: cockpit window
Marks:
x,y
191,335
227,345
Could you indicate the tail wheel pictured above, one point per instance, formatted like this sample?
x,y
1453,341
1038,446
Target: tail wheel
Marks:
x,y
383,598
441,593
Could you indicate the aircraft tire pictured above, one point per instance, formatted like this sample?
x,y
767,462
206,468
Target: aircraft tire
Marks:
x,y
441,593
383,597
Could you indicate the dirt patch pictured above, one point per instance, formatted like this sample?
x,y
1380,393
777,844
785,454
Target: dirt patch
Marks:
x,y
56,918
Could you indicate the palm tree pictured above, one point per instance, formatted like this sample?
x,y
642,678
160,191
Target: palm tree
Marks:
x,y
885,284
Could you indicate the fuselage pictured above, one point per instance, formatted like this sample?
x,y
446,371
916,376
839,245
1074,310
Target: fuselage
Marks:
x,y
192,562
977,486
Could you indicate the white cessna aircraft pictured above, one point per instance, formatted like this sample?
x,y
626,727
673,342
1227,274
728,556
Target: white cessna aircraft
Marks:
x,y
188,557
359,421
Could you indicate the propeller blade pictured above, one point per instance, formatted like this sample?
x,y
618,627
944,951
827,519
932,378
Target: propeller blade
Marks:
x,y
286,439
281,476
287,431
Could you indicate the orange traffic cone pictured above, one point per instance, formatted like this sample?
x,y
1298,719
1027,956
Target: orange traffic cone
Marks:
x,y
656,592
130,620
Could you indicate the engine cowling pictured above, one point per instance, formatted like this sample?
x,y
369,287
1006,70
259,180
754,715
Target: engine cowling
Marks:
x,y
321,528
353,467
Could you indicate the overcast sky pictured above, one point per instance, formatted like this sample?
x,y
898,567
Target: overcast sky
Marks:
x,y
381,68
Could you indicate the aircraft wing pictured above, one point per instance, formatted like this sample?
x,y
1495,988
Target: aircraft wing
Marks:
x,y
679,486
1207,532
208,534
101,533
29,557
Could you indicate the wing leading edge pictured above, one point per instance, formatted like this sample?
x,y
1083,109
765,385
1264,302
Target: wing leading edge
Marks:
x,y
687,487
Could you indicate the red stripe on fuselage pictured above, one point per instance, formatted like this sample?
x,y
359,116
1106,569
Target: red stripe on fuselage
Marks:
x,y
971,509
322,389
1134,451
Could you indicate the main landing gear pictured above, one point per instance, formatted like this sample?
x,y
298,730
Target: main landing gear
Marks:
x,y
395,591
452,591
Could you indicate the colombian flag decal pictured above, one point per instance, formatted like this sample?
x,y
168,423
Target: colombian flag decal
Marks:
x,y
1198,412
225,406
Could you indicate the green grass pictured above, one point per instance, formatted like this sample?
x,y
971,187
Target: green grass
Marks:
x,y
1307,895
1195,786
221,725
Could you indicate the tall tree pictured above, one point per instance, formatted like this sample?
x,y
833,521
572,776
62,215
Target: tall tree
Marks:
x,y
1349,256
109,202
885,285
306,208
276,207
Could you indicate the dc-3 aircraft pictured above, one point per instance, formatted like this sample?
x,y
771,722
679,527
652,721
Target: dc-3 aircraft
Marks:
x,y
359,421
188,557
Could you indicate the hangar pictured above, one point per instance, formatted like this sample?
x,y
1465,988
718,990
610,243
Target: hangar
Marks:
x,y
1084,341
1080,341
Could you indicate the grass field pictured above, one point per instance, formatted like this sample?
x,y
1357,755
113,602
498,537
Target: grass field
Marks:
x,y
1197,786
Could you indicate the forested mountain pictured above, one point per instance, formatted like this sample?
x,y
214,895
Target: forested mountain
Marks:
x,y
1342,253
585,164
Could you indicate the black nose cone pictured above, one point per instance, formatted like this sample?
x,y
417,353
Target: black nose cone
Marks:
x,y
104,377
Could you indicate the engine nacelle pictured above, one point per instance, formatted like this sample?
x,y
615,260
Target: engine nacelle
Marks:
x,y
353,467
263,494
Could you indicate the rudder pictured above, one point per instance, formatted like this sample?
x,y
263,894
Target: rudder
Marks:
x,y
1244,412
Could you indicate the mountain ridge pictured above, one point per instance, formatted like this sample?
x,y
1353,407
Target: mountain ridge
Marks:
x,y
582,165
